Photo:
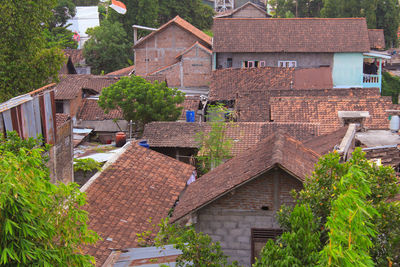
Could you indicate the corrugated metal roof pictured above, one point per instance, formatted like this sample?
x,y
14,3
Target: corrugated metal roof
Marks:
x,y
149,256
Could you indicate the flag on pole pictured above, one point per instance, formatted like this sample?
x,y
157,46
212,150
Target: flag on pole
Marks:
x,y
118,6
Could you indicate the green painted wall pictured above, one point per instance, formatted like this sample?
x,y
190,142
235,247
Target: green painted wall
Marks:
x,y
347,69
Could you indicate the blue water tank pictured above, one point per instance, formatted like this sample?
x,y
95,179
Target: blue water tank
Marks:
x,y
144,144
190,116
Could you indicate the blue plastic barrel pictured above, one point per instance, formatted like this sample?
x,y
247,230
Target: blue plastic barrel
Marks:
x,y
144,144
190,116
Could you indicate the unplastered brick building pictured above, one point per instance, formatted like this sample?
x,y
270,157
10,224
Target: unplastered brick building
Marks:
x,y
179,51
236,202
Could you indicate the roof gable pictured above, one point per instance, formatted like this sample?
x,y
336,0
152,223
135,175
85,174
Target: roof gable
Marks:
x,y
247,6
90,110
290,35
139,185
376,38
196,44
70,86
182,24
276,150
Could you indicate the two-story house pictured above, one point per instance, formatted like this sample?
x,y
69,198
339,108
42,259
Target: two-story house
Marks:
x,y
180,52
342,44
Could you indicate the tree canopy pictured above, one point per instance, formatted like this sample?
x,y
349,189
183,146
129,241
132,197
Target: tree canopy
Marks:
x,y
214,146
153,13
25,62
108,48
142,101
356,219
41,224
380,14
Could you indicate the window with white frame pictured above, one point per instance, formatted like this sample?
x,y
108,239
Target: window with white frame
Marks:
x,y
287,64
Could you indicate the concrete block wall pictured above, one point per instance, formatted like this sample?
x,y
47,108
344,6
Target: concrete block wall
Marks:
x,y
304,60
230,219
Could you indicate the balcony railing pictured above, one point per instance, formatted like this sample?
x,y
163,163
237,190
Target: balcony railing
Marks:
x,y
371,80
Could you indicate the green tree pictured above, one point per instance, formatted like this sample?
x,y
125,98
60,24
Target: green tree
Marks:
x,y
297,247
391,86
108,48
41,224
139,12
142,101
350,223
60,37
197,248
388,19
25,63
193,11
329,188
215,146
86,2
62,12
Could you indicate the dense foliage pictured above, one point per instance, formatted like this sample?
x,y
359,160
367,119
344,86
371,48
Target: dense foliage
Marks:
x,y
25,62
86,2
215,146
153,13
299,246
197,248
57,34
380,14
352,205
391,86
142,101
108,48
41,224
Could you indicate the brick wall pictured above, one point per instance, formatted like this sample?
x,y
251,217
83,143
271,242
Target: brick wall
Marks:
x,y
193,70
63,154
74,105
230,219
161,49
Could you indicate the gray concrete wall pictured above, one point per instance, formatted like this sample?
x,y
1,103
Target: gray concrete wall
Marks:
x,y
103,126
230,219
304,60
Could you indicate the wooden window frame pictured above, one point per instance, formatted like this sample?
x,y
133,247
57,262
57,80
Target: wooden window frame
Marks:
x,y
263,234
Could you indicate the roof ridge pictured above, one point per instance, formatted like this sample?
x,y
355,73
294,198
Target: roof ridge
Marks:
x,y
269,19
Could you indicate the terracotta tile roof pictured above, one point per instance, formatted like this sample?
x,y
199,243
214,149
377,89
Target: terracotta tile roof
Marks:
x,y
326,143
230,13
70,86
139,185
376,39
313,78
90,111
276,150
225,83
190,103
61,118
322,106
76,55
123,72
184,25
290,35
243,134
